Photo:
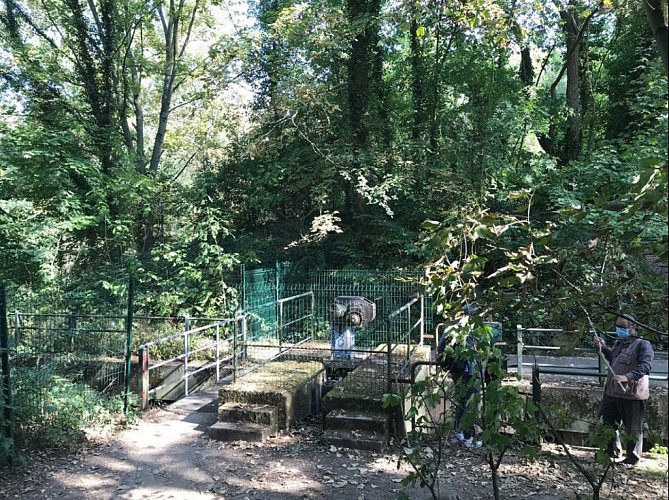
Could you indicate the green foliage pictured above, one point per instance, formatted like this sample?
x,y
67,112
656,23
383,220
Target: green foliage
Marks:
x,y
658,449
66,408
503,416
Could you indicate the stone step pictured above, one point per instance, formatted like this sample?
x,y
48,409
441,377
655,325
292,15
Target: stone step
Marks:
x,y
260,414
238,431
356,440
358,420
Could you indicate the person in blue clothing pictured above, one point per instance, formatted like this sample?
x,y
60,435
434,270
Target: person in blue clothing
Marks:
x,y
627,387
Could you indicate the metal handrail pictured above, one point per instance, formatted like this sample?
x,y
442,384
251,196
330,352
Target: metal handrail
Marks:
x,y
146,366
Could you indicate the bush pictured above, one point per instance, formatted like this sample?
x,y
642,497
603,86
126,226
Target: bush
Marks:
x,y
54,411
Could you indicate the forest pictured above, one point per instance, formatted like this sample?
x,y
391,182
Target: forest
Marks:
x,y
515,151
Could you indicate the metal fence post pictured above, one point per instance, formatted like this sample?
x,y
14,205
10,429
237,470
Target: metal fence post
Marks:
x,y
18,320
519,350
7,413
128,343
71,328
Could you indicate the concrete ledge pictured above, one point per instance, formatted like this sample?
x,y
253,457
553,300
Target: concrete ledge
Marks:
x,y
355,420
580,404
236,431
249,413
358,440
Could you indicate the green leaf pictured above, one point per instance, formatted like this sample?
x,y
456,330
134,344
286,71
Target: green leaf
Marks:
x,y
484,232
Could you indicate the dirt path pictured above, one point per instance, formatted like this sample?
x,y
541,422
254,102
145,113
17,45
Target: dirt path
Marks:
x,y
167,455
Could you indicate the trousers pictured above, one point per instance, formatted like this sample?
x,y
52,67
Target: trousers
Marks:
x,y
465,390
631,413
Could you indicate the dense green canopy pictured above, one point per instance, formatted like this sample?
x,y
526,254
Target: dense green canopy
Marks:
x,y
516,149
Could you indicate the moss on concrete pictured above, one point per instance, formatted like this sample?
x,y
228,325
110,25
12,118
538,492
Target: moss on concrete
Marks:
x,y
289,385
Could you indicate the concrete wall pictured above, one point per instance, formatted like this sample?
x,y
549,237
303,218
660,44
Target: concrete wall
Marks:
x,y
581,404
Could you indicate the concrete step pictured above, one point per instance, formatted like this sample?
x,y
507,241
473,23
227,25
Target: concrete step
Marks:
x,y
357,440
357,420
266,415
238,431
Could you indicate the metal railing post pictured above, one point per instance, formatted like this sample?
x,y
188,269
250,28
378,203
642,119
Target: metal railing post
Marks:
x,y
422,318
279,324
389,356
128,343
519,350
144,377
408,332
218,352
185,364
313,317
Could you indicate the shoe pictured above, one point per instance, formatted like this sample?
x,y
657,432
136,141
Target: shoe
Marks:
x,y
470,443
458,437
628,463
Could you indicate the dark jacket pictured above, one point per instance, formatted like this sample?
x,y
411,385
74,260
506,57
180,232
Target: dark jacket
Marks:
x,y
632,357
457,366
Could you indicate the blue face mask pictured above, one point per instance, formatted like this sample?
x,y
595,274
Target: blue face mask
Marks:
x,y
622,333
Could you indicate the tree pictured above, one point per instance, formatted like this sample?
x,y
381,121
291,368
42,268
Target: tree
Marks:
x,y
656,13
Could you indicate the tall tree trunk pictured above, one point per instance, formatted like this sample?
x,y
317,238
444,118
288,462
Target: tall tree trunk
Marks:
x,y
526,70
363,14
572,144
417,72
177,26
377,82
359,67
656,14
